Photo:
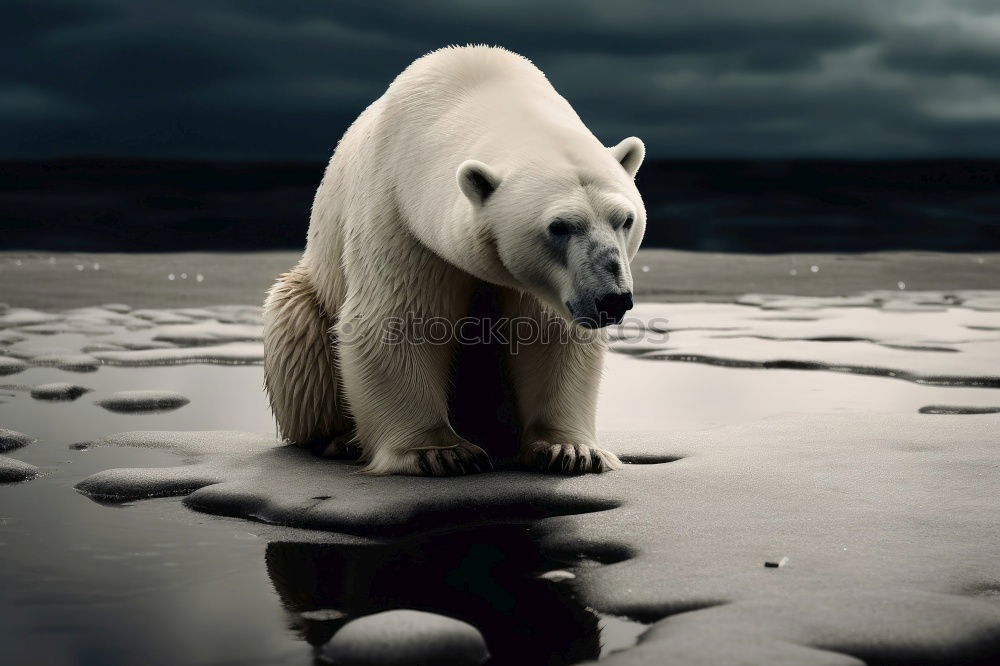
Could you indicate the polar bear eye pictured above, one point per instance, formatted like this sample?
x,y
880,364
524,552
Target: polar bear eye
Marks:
x,y
628,223
560,228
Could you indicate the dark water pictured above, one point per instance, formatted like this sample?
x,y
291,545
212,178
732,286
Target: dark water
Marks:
x,y
107,205
154,583
481,575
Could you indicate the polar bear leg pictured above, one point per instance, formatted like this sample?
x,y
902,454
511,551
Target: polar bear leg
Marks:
x,y
299,370
398,395
555,369
395,375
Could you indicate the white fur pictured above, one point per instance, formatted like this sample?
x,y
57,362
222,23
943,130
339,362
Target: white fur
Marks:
x,y
452,176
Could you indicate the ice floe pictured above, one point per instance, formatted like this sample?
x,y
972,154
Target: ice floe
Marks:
x,y
58,391
11,439
205,333
239,353
14,470
11,366
69,362
143,401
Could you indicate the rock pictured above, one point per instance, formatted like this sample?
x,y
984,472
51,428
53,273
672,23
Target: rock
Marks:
x,y
143,401
58,391
406,637
11,439
14,470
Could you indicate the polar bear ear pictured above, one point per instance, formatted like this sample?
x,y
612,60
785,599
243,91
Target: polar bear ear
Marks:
x,y
629,154
477,181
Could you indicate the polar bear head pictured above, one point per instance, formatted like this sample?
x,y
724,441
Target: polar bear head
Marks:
x,y
562,229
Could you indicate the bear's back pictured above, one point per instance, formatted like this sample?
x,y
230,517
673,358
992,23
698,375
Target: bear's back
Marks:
x,y
456,70
470,91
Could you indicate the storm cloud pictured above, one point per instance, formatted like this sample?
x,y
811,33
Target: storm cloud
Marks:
x,y
258,79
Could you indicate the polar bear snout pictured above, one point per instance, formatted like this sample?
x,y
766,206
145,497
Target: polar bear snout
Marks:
x,y
597,283
602,310
612,307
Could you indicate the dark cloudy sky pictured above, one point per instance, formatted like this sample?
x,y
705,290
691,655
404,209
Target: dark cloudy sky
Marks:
x,y
282,79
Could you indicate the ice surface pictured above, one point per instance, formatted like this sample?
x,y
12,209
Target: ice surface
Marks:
x,y
953,345
875,512
205,333
890,518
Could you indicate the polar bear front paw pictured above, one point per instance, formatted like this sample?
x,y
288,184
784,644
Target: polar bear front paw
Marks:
x,y
458,459
464,458
567,458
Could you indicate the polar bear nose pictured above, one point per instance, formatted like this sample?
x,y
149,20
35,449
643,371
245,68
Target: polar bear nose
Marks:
x,y
611,308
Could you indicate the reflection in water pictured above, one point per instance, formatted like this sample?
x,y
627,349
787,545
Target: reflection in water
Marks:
x,y
485,576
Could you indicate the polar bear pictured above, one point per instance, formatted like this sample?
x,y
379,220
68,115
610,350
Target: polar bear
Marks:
x,y
471,171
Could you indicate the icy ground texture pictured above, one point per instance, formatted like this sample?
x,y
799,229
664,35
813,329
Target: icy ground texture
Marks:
x,y
117,335
928,338
891,526
889,518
